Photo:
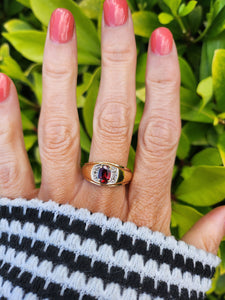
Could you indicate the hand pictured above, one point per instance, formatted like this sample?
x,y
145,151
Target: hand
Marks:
x,y
147,200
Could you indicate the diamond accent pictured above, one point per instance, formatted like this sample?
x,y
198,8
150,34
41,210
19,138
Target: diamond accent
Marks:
x,y
114,173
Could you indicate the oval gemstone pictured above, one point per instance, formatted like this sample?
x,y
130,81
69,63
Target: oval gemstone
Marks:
x,y
104,174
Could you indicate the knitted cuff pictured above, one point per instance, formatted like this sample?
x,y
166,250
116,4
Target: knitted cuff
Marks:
x,y
48,250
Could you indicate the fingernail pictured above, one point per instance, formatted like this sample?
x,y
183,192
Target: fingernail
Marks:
x,y
115,12
4,87
61,26
162,41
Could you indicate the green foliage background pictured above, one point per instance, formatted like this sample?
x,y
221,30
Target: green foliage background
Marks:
x,y
199,31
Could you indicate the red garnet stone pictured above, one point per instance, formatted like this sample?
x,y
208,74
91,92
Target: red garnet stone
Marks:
x,y
104,174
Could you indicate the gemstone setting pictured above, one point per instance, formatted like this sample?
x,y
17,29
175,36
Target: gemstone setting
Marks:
x,y
105,174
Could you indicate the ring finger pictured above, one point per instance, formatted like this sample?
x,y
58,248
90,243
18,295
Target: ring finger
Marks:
x,y
116,104
158,136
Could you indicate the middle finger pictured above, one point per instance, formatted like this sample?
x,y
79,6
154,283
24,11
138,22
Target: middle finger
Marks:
x,y
116,103
58,132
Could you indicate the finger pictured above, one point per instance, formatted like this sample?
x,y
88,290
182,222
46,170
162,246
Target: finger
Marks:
x,y
158,136
116,102
16,177
208,232
59,122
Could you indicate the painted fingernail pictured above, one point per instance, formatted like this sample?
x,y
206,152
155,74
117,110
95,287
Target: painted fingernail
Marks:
x,y
115,12
4,87
61,26
162,41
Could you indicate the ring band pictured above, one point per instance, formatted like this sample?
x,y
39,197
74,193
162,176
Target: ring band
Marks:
x,y
106,174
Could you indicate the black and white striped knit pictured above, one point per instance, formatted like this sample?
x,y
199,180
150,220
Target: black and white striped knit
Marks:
x,y
53,251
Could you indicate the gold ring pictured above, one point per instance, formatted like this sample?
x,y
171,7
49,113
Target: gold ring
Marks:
x,y
106,174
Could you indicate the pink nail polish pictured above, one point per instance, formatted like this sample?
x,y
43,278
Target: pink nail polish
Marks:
x,y
4,87
115,12
61,26
162,41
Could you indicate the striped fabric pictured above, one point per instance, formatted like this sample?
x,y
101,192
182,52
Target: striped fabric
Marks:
x,y
52,251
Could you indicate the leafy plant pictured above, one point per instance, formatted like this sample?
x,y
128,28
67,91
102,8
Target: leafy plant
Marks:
x,y
198,28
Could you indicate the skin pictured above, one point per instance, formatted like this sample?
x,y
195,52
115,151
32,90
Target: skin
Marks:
x,y
147,200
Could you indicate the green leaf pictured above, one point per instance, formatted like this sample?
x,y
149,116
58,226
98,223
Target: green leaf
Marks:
x,y
191,108
222,256
220,286
87,58
37,155
218,74
24,2
218,25
205,90
141,68
25,101
187,9
80,101
196,133
204,187
131,159
208,49
173,5
91,8
37,173
212,136
10,67
87,38
217,6
139,112
140,93
87,81
30,43
12,7
221,147
27,124
17,25
183,147
88,109
82,88
187,172
195,19
184,217
145,22
30,140
188,79
131,4
175,171
207,157
165,18
99,27
38,86
84,140
205,65
4,51
33,67
213,286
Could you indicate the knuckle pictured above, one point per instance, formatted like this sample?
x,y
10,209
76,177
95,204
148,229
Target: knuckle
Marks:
x,y
9,175
163,84
59,138
113,122
160,137
58,71
6,135
112,55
